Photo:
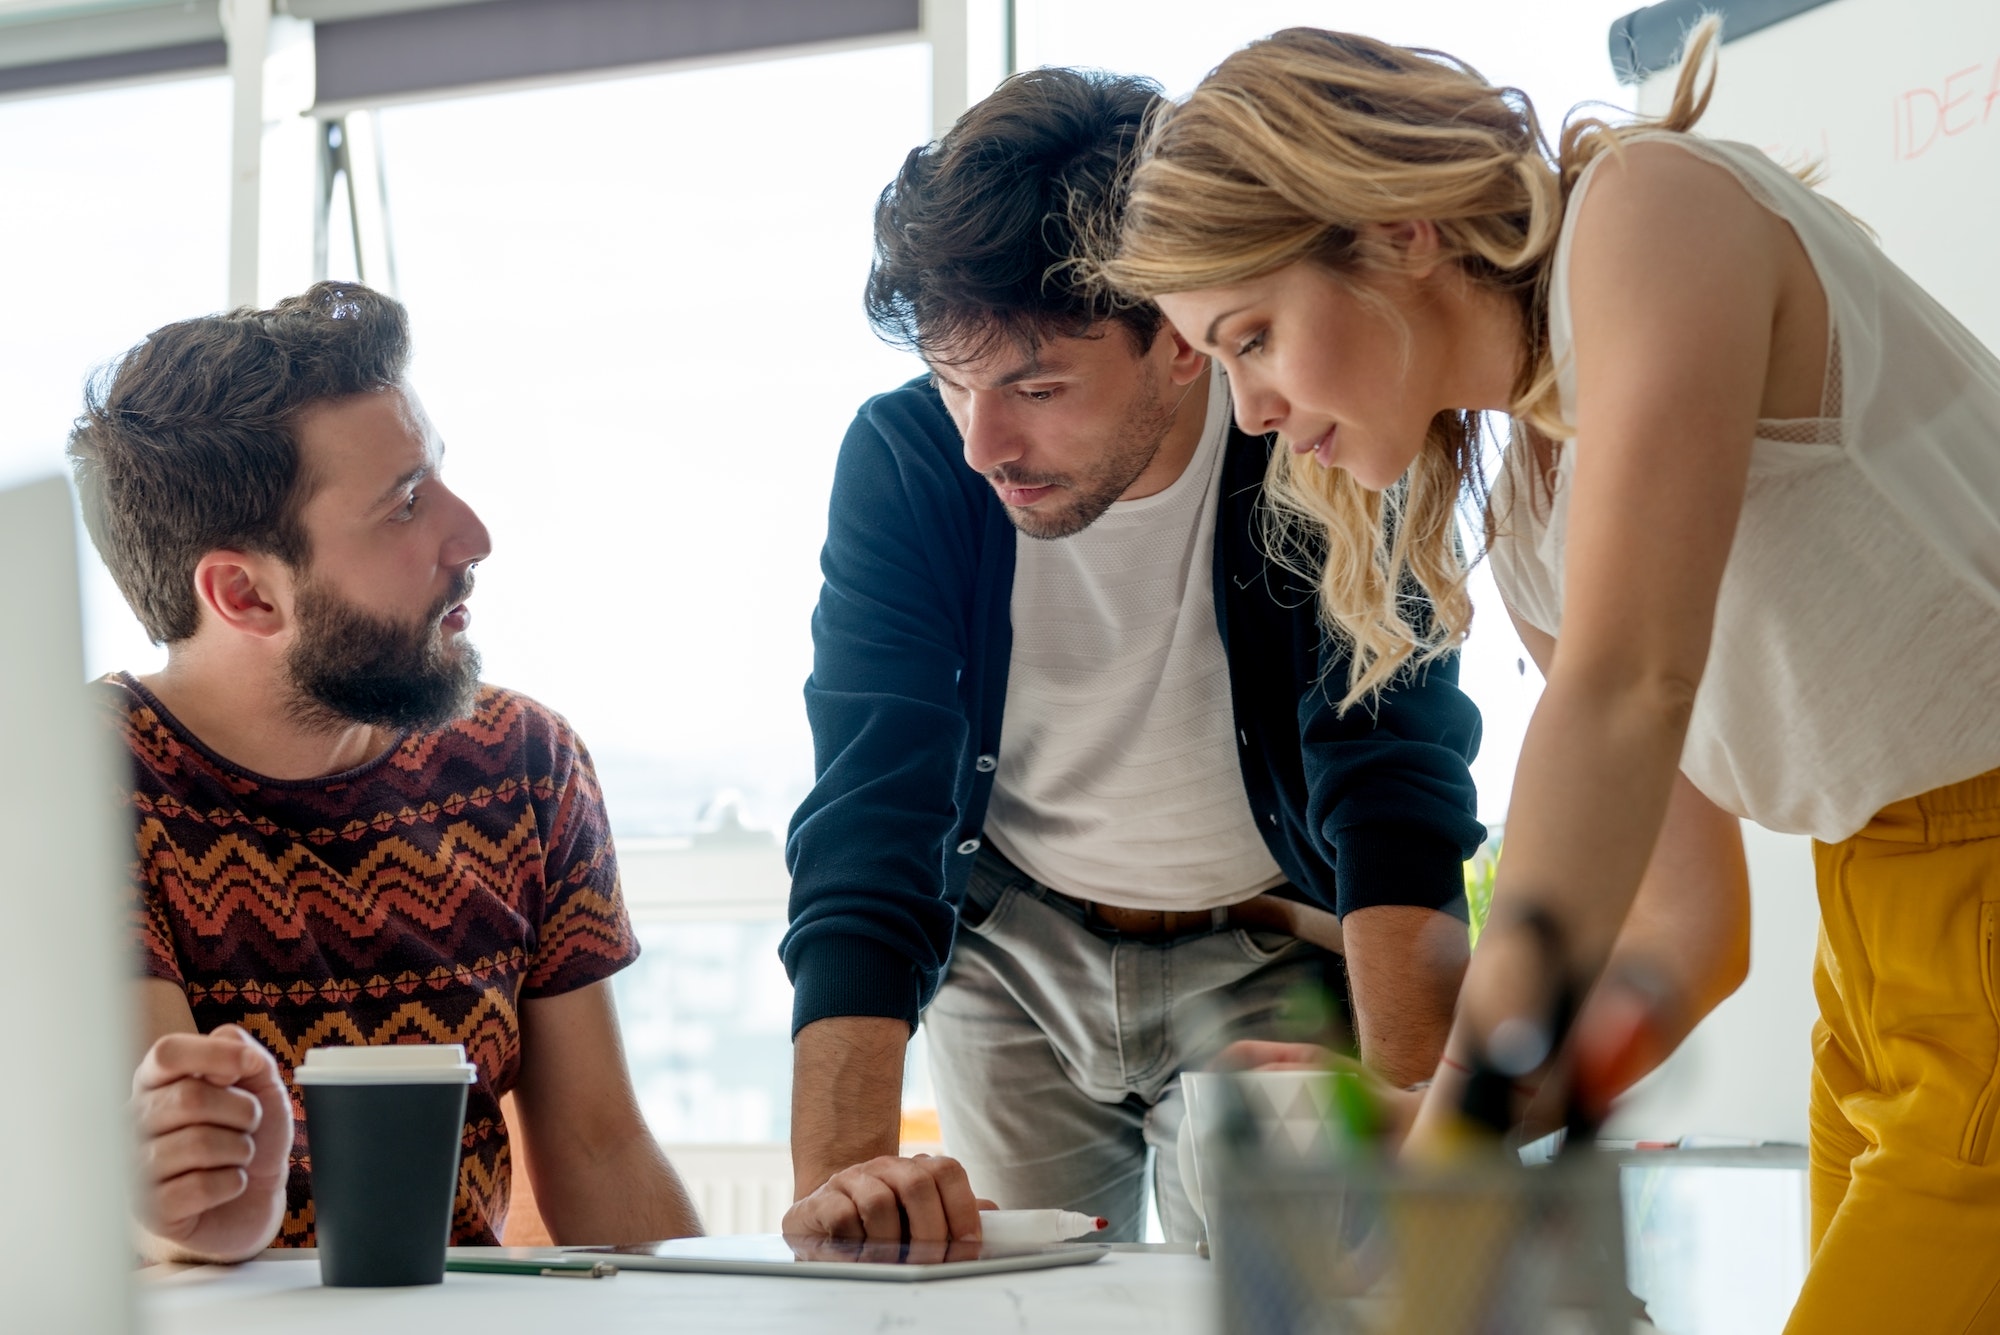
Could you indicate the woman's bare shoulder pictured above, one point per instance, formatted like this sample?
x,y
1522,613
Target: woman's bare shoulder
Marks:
x,y
1662,182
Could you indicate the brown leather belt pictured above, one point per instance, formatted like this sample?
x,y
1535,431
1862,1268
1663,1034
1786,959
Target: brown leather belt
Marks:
x,y
1260,913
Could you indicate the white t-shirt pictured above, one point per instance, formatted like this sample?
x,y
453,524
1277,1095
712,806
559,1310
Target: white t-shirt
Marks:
x,y
1118,776
1855,659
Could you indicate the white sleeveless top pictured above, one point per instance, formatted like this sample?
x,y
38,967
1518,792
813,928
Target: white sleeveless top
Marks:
x,y
1856,651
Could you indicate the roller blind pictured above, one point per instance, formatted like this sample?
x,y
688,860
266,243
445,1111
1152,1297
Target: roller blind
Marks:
x,y
390,56
53,46
373,51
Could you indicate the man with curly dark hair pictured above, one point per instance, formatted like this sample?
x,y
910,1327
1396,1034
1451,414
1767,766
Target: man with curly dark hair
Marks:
x,y
1177,828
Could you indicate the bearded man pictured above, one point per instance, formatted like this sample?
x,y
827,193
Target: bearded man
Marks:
x,y
341,836
1176,829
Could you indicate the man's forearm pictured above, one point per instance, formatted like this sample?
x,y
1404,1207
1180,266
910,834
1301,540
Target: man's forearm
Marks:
x,y
630,1195
599,1176
847,1095
1404,965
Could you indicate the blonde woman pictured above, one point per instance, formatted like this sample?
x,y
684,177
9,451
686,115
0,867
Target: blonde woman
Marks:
x,y
1749,527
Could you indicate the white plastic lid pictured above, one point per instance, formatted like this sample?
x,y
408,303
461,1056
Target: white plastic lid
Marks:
x,y
390,1064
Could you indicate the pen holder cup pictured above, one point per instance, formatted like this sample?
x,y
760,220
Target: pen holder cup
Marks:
x,y
1293,1117
1368,1247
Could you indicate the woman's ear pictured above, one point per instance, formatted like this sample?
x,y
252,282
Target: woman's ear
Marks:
x,y
1414,248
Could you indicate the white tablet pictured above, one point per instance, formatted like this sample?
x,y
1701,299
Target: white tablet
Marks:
x,y
823,1258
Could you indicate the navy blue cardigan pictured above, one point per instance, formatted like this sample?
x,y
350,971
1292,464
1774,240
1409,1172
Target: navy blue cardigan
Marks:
x,y
912,641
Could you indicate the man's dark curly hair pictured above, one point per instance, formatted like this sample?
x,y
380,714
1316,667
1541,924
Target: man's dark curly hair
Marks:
x,y
188,443
974,238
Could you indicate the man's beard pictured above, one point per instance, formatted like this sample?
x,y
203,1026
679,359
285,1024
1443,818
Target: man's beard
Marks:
x,y
1144,428
350,666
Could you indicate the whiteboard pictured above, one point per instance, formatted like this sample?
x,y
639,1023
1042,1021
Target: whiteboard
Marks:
x,y
1900,102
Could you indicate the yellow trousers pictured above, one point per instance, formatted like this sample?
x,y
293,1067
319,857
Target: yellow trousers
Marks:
x,y
1905,1162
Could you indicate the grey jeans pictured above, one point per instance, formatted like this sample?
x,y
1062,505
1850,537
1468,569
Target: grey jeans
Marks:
x,y
1056,1047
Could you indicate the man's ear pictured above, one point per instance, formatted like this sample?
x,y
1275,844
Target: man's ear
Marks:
x,y
1186,363
236,588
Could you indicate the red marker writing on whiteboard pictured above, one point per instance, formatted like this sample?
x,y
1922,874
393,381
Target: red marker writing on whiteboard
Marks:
x,y
1029,1228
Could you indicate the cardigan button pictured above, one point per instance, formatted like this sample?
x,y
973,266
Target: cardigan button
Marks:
x,y
986,764
969,846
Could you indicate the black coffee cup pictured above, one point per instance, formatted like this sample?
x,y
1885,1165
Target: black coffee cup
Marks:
x,y
384,1126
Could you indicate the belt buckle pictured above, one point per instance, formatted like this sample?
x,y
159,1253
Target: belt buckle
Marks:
x,y
1159,931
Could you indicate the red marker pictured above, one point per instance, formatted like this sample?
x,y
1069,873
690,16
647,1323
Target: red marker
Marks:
x,y
1031,1228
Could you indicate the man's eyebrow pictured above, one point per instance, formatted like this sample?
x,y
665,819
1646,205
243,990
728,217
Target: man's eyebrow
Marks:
x,y
1031,370
1028,370
403,483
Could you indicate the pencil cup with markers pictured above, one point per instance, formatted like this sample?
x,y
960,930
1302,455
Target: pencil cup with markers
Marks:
x,y
1321,1232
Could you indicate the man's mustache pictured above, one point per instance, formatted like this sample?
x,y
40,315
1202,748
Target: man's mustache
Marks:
x,y
461,589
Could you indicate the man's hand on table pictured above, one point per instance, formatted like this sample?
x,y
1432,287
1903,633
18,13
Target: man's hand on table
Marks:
x,y
215,1135
924,1198
847,1083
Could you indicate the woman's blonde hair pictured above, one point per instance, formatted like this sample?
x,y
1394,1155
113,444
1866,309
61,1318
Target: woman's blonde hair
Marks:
x,y
1290,150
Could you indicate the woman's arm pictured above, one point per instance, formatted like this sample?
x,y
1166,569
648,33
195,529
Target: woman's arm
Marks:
x,y
1687,935
1677,278
1686,940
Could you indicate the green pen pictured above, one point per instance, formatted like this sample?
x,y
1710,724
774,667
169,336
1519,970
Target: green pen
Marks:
x,y
1355,1107
554,1267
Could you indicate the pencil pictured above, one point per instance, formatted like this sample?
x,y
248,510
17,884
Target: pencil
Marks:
x,y
554,1267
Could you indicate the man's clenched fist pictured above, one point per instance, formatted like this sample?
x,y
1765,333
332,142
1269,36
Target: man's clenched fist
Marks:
x,y
215,1135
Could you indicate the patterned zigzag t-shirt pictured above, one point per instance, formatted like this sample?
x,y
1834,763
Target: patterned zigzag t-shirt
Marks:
x,y
417,899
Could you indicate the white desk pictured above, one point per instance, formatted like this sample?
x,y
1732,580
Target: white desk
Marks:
x,y
1718,1249
1145,1293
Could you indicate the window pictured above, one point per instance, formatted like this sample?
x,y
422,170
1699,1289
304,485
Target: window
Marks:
x,y
637,306
116,221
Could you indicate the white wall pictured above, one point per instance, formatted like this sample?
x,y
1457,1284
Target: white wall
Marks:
x,y
1745,1070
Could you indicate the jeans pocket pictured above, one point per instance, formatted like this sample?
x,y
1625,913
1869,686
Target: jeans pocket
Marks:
x,y
1978,1144
988,896
1262,946
983,918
